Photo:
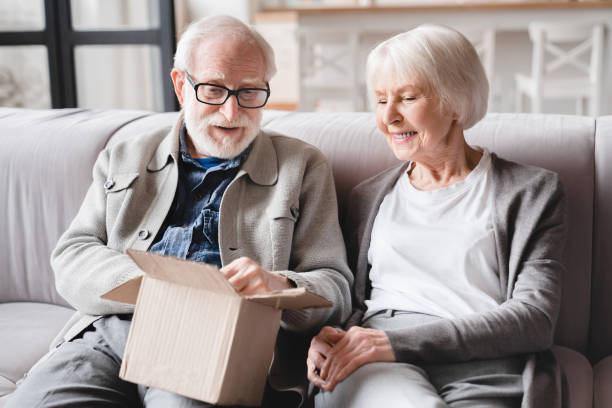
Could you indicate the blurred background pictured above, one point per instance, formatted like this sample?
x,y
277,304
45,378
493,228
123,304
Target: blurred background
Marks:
x,y
118,53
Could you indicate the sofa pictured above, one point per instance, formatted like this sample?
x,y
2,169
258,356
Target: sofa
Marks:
x,y
46,157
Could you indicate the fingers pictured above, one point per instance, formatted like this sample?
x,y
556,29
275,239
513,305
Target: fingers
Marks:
x,y
248,278
312,375
313,362
331,335
320,346
359,346
237,266
341,373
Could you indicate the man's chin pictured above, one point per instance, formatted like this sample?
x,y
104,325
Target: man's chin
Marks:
x,y
227,148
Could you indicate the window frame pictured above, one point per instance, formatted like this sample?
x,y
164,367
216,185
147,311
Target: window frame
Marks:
x,y
60,38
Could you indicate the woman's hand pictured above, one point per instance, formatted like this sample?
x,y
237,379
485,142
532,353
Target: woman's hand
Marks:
x,y
334,354
320,347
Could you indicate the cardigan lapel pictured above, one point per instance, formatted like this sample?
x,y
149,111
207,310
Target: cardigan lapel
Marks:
x,y
162,179
369,204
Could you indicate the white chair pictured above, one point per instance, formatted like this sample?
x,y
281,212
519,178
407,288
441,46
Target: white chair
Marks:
x,y
484,43
583,83
368,40
328,69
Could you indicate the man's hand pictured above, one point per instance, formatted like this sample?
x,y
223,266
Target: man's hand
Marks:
x,y
248,278
334,354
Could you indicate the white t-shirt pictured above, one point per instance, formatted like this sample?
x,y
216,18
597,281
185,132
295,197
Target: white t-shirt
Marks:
x,y
434,252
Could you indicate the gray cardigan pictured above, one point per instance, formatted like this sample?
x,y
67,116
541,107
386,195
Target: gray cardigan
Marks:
x,y
530,229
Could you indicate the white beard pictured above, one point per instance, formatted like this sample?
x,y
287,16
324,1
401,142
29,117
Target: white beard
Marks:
x,y
225,148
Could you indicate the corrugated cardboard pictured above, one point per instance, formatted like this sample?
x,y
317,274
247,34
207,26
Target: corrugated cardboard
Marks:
x,y
194,335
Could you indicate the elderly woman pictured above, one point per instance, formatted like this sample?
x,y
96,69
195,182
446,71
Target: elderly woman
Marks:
x,y
457,252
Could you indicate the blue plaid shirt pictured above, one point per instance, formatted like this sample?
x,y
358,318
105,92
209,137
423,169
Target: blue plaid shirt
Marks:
x,y
190,230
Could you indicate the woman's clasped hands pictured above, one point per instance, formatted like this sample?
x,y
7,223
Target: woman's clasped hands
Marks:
x,y
335,353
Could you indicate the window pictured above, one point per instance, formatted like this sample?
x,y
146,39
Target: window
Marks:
x,y
90,47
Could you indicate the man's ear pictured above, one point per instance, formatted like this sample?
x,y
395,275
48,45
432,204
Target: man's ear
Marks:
x,y
178,79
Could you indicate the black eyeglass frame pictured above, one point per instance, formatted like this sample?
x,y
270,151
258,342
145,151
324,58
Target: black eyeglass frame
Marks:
x,y
229,93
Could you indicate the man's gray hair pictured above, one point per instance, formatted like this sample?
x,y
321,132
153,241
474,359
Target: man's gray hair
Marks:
x,y
220,27
438,60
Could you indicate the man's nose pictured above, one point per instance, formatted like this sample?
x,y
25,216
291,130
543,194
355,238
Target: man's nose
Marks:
x,y
230,108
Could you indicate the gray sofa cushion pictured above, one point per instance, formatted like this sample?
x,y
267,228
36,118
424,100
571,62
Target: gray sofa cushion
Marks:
x,y
577,377
602,373
45,168
26,329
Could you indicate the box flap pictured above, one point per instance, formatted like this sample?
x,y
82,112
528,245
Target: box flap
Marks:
x,y
127,292
187,273
297,298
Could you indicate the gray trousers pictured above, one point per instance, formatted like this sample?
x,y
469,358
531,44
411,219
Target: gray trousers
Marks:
x,y
482,383
85,373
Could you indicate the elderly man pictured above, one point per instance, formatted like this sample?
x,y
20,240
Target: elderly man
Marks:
x,y
214,189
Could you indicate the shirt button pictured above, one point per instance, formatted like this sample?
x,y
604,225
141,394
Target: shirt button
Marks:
x,y
109,184
143,234
198,196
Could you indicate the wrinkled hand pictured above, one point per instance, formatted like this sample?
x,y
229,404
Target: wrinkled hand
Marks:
x,y
248,278
320,347
334,354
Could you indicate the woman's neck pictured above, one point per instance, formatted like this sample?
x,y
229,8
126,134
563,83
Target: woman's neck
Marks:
x,y
445,169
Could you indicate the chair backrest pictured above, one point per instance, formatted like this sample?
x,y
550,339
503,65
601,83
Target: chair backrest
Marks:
x,y
548,38
328,68
484,43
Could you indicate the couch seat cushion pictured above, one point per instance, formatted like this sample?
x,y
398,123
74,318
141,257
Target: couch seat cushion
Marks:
x,y
26,330
577,377
602,378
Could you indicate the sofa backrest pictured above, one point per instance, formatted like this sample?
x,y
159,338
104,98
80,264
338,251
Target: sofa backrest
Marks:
x,y
61,146
564,144
46,158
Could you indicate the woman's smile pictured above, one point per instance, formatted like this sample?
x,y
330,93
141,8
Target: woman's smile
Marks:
x,y
403,137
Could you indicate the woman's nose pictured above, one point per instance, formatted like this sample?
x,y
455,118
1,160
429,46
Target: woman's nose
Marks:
x,y
391,114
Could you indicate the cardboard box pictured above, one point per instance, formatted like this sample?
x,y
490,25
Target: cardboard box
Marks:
x,y
194,335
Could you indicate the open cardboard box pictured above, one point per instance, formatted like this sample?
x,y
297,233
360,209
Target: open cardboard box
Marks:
x,y
194,335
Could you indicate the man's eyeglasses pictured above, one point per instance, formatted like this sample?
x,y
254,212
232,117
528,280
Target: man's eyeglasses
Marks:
x,y
212,94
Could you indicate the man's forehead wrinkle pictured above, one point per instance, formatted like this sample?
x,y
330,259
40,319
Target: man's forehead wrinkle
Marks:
x,y
233,68
214,76
211,76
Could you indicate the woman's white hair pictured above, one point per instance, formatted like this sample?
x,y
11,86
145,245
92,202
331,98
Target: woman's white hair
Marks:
x,y
221,26
438,60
